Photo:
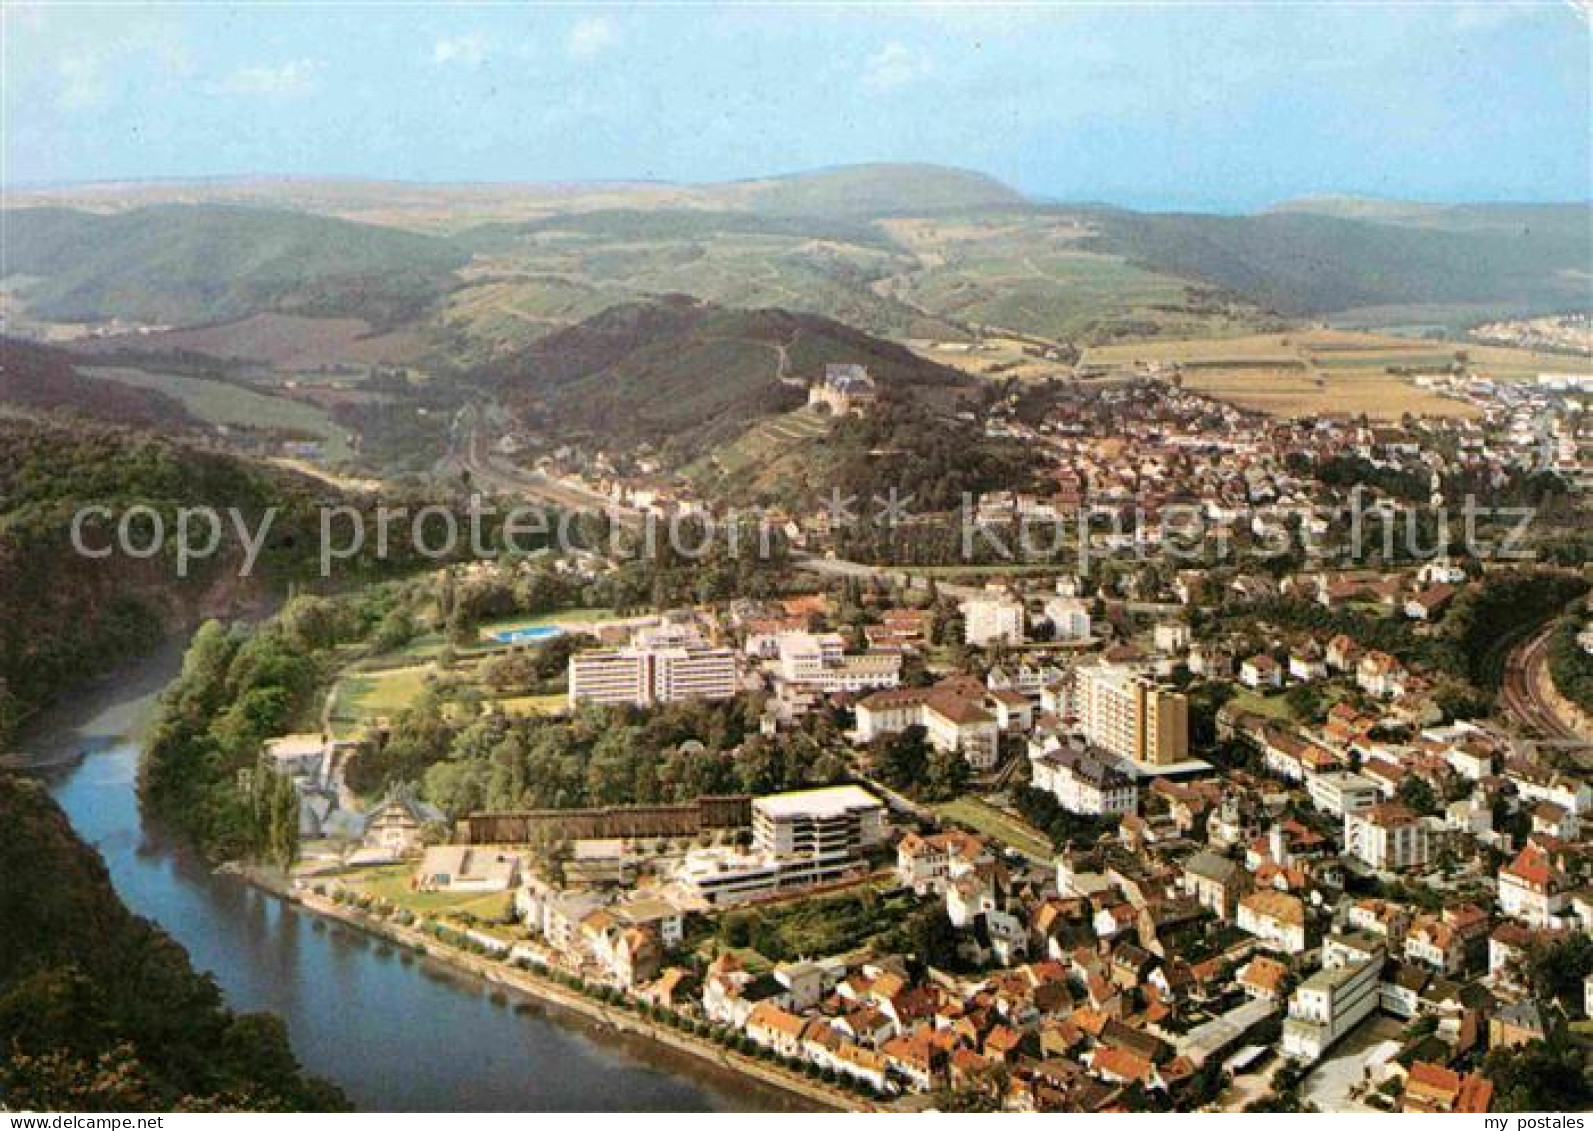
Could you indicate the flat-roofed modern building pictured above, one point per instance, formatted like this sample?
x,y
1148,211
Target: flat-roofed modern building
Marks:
x,y
652,669
800,839
842,820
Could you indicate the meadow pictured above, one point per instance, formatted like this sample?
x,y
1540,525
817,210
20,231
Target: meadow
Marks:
x,y
231,406
1321,372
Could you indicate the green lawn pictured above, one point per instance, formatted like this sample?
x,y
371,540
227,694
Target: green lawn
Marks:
x,y
218,402
381,693
392,884
534,704
1272,706
991,822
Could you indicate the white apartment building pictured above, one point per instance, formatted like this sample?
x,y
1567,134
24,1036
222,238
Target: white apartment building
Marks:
x,y
1084,783
799,839
993,619
1330,1003
1069,617
661,665
1387,837
1126,713
818,662
1342,792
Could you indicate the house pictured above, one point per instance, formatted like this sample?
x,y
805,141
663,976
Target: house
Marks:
x,y
927,863
1388,837
396,828
1343,654
1084,781
638,957
1518,1023
461,868
1307,664
1538,783
1276,918
1216,882
305,759
1263,978
1261,672
1532,889
775,1028
1430,603
1435,943
1433,1089
952,720
844,389
1382,675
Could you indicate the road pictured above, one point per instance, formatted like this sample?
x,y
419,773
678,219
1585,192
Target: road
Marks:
x,y
1523,693
472,451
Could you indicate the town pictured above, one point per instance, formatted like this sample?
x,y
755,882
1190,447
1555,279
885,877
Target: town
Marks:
x,y
1136,837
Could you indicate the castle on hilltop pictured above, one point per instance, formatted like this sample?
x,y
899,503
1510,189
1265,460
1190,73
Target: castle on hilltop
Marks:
x,y
845,389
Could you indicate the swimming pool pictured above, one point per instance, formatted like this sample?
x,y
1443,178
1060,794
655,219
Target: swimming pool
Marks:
x,y
532,635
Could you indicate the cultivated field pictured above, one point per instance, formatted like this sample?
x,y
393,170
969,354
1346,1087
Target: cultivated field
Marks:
x,y
282,341
227,405
1331,372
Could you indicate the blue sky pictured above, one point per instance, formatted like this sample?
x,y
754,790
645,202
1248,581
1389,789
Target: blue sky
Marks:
x,y
1193,106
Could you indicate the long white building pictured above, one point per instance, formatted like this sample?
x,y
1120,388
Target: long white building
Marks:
x,y
660,665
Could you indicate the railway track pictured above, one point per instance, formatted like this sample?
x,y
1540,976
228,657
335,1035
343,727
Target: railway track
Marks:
x,y
1521,693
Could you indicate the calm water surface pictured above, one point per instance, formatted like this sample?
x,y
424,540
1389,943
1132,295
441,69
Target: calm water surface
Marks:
x,y
397,1032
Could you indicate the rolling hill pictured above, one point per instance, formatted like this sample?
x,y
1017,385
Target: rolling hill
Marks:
x,y
44,379
871,191
692,373
1310,263
901,251
191,264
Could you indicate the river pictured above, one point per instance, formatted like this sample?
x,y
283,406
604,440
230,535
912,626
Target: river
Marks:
x,y
395,1031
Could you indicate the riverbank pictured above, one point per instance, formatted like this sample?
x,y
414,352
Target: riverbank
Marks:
x,y
529,984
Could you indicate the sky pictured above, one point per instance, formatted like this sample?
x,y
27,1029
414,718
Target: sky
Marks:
x,y
1194,106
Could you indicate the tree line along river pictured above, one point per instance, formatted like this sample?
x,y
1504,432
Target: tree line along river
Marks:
x,y
396,1031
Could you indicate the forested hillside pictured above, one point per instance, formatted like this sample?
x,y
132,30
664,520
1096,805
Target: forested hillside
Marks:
x,y
65,617
39,377
688,372
183,265
100,1010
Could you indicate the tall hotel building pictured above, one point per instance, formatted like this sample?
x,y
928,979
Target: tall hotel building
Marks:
x,y
658,666
1129,714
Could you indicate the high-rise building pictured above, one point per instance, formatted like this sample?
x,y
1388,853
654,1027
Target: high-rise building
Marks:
x,y
1128,713
657,666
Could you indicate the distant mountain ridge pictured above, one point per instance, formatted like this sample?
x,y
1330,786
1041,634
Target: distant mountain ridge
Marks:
x,y
187,264
908,251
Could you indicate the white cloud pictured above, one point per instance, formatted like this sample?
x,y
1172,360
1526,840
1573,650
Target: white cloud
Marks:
x,y
894,65
288,80
591,36
463,50
82,82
